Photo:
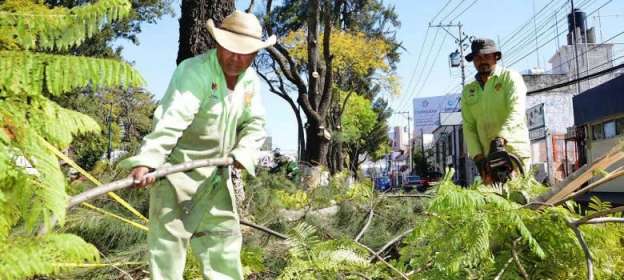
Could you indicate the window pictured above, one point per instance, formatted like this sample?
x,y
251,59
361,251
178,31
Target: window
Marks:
x,y
619,126
597,132
609,129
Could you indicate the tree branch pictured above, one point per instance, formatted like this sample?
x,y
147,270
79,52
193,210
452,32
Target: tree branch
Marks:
x,y
585,219
588,257
265,229
409,195
514,254
393,241
326,99
314,11
500,274
251,4
604,220
376,256
371,213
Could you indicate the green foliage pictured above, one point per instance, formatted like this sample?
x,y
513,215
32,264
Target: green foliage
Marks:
x,y
33,26
358,119
130,113
32,185
311,258
26,257
471,232
31,73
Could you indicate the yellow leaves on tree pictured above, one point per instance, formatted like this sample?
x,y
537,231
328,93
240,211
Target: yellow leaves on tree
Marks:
x,y
352,51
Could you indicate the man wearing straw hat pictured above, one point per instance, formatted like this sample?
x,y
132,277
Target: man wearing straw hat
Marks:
x,y
212,109
493,108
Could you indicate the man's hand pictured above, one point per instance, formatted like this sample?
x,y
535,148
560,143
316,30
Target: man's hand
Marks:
x,y
140,180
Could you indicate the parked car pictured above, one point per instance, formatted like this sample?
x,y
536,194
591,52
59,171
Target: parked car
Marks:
x,y
415,182
382,183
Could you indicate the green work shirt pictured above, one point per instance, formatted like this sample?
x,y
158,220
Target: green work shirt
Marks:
x,y
198,119
496,110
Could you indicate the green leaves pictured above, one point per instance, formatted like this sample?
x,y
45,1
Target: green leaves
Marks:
x,y
27,257
27,72
34,26
32,184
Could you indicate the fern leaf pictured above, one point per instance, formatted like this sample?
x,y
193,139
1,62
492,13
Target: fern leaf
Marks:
x,y
60,28
43,255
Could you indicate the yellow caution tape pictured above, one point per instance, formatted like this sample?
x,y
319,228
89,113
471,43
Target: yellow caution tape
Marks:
x,y
107,213
95,265
92,179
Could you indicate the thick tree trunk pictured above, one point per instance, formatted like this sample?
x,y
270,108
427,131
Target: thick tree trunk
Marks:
x,y
316,147
194,36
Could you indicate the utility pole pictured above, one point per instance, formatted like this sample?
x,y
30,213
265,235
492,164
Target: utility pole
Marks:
x,y
578,84
460,42
409,137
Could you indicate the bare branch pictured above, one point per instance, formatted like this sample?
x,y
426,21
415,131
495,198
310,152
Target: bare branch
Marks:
x,y
158,173
409,195
251,4
604,220
500,273
588,257
371,213
514,254
326,98
394,240
584,220
265,229
314,11
376,256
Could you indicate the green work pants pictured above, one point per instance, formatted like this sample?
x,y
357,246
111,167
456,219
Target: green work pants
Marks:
x,y
207,221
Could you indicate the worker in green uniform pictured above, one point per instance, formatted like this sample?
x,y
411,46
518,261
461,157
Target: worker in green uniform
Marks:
x,y
493,108
212,109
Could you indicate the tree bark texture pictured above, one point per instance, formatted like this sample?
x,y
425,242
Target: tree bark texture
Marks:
x,y
194,36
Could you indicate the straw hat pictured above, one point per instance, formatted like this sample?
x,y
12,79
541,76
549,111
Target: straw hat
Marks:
x,y
241,33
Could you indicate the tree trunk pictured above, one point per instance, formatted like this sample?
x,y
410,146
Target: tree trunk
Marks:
x,y
316,147
194,36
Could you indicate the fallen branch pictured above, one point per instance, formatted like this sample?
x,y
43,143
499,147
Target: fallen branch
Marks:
x,y
516,259
371,213
394,240
409,195
588,257
158,173
584,220
376,256
604,220
500,273
265,229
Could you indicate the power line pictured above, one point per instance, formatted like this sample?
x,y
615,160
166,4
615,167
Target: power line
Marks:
x,y
586,77
440,11
452,11
555,37
420,52
427,75
517,31
466,9
408,90
528,37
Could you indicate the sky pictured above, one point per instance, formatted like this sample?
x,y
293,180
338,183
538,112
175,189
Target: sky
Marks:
x,y
424,64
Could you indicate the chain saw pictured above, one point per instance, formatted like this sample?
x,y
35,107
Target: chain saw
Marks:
x,y
499,165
